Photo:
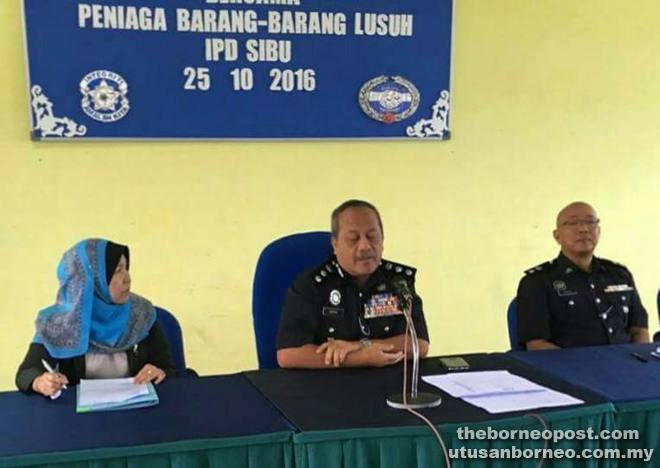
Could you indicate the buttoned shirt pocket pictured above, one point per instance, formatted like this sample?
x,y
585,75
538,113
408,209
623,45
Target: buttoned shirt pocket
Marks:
x,y
385,327
570,310
617,317
334,324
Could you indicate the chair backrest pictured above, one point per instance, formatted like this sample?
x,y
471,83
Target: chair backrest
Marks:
x,y
512,321
172,330
278,266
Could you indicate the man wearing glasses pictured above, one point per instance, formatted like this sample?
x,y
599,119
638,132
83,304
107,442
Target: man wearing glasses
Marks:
x,y
578,299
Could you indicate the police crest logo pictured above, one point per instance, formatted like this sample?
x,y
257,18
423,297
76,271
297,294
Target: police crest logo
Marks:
x,y
389,99
562,289
559,286
104,96
335,297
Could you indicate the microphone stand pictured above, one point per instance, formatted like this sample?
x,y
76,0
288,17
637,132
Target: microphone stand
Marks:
x,y
414,400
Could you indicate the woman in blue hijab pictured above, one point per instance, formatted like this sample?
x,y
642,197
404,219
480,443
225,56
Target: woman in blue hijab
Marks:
x,y
97,328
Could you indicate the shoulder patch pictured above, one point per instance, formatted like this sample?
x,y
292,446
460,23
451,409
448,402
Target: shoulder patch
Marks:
x,y
398,269
540,267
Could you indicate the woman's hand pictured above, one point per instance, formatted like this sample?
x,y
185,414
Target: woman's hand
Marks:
x,y
49,383
148,373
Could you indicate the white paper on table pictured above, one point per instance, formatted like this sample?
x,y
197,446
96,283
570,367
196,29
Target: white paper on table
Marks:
x,y
94,392
465,384
522,401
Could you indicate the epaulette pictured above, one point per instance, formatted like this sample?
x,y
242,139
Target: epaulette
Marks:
x,y
398,268
326,270
540,267
614,264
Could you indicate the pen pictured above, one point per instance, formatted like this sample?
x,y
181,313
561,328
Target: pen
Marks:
x,y
50,369
639,357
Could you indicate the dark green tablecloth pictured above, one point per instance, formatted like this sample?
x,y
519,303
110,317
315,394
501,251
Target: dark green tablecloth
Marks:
x,y
644,417
417,447
270,450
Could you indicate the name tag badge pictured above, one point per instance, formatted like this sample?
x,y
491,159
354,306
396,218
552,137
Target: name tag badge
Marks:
x,y
382,305
618,288
333,312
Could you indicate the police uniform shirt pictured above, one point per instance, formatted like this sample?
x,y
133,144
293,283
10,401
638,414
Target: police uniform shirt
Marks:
x,y
326,302
560,303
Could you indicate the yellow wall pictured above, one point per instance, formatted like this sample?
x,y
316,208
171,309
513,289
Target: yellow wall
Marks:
x,y
552,101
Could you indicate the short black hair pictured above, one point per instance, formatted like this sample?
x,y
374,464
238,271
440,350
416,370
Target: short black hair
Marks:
x,y
334,218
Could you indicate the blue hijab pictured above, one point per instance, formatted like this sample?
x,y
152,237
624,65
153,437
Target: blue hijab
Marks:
x,y
84,318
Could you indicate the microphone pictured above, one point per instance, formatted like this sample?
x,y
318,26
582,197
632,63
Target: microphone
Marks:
x,y
400,285
415,399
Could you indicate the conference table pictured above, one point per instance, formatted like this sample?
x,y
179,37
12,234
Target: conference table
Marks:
x,y
343,419
199,422
324,418
617,374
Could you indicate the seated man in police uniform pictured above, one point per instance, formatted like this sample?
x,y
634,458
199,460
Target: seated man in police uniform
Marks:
x,y
345,312
578,299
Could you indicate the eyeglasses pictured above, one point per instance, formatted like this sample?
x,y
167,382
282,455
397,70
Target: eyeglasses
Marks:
x,y
588,222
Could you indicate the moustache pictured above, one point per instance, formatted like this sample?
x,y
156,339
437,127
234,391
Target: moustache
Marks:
x,y
366,257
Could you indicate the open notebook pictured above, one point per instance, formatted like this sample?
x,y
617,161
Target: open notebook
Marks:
x,y
114,394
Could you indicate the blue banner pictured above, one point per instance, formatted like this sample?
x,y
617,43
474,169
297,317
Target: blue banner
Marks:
x,y
239,69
